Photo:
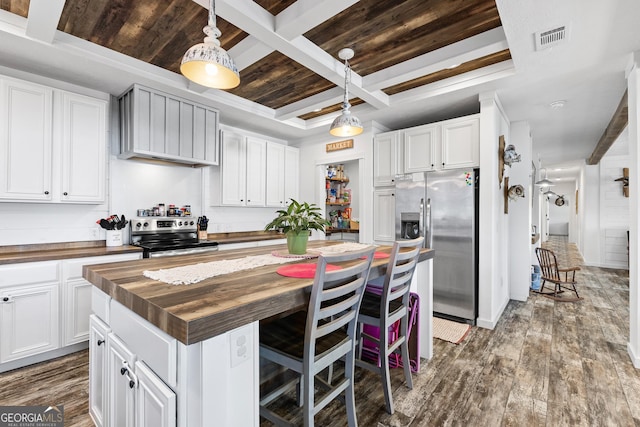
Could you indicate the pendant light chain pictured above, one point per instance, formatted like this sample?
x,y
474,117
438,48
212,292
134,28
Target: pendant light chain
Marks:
x,y
347,80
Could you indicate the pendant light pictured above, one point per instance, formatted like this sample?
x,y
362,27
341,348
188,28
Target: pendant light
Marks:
x,y
208,64
346,124
545,182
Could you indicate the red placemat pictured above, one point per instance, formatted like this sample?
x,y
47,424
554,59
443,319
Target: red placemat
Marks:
x,y
377,255
303,271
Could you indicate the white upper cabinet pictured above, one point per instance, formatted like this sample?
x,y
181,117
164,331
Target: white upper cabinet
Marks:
x,y
461,143
84,147
26,140
387,158
291,173
449,144
275,174
254,172
233,169
53,144
420,148
154,124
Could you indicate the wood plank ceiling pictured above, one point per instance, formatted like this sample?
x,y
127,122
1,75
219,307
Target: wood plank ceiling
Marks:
x,y
383,33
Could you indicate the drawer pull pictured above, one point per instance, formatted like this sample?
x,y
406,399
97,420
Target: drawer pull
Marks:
x,y
100,342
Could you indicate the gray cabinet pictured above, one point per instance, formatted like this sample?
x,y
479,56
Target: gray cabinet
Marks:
x,y
157,125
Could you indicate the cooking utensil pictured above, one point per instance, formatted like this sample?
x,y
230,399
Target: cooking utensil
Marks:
x,y
105,224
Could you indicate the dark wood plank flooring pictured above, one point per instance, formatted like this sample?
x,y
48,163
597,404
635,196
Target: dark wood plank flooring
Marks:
x,y
547,363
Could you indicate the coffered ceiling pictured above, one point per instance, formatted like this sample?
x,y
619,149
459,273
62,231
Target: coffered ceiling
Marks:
x,y
415,61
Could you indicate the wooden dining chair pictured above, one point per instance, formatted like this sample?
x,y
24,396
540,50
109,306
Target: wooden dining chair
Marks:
x,y
382,309
550,272
308,342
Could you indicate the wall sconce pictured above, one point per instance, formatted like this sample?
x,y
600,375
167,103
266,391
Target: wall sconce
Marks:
x,y
516,191
625,181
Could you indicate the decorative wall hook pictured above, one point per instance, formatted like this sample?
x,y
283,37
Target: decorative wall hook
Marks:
x,y
510,156
516,191
625,181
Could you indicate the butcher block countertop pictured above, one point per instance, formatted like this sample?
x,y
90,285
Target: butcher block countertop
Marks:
x,y
196,312
65,250
55,251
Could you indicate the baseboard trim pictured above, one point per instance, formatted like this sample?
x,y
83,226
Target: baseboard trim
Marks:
x,y
30,360
491,324
634,357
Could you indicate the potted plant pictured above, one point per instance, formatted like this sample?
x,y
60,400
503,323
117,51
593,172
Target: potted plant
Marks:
x,y
296,222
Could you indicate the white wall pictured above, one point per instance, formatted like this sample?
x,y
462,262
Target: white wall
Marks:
x,y
494,249
313,161
520,248
589,212
633,76
559,216
614,213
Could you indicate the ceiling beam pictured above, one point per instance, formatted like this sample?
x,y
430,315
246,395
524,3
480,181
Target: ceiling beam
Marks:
x,y
249,51
253,19
304,15
307,105
612,132
43,19
483,44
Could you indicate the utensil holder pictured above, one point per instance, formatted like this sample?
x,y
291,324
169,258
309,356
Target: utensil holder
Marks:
x,y
114,238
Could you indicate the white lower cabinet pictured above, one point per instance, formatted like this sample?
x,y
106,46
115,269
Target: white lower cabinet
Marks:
x,y
45,306
135,395
97,370
155,404
121,383
28,320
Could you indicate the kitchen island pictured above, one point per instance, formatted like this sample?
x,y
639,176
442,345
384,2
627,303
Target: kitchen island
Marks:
x,y
194,348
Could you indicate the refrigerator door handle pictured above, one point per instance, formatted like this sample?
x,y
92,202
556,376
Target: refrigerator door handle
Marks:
x,y
420,219
428,233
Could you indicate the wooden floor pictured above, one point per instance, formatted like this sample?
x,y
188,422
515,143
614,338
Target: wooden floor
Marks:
x,y
547,363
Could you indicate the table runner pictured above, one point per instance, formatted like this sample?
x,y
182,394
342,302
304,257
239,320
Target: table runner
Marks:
x,y
194,273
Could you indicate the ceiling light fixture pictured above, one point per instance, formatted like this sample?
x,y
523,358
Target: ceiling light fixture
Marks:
x,y
346,124
207,63
544,182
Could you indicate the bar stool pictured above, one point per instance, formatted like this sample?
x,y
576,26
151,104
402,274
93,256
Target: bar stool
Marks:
x,y
308,342
382,310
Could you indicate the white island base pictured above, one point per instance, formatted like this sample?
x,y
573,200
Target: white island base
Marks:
x,y
141,376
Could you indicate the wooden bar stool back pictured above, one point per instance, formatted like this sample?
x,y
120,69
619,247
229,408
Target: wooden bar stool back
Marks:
x,y
308,342
383,310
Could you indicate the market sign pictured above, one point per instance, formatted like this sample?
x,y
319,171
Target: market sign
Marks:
x,y
340,145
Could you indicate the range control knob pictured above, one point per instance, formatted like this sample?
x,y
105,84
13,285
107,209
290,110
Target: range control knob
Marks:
x,y
138,225
146,224
180,223
191,223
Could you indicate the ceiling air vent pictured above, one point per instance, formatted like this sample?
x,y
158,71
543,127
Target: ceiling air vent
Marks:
x,y
550,38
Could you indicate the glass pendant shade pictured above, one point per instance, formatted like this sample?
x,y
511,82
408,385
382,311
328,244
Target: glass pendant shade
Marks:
x,y
346,124
208,64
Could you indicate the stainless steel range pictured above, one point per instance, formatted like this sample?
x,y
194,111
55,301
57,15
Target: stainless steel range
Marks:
x,y
168,236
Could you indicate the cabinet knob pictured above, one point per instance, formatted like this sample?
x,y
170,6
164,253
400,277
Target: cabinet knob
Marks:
x,y
442,163
123,370
432,165
5,299
65,194
100,342
46,192
132,383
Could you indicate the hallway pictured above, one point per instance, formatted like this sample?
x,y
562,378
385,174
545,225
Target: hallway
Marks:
x,y
547,363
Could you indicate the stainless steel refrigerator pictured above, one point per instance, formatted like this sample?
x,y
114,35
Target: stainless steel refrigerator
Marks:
x,y
443,207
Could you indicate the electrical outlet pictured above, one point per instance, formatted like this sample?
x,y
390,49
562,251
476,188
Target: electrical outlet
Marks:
x,y
240,346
